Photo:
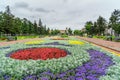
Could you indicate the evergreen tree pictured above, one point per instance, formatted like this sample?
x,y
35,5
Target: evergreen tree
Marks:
x,y
89,27
40,27
35,27
48,30
8,21
1,22
69,31
17,24
25,27
101,25
9,24
95,29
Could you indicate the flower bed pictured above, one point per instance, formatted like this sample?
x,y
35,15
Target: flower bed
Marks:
x,y
59,39
85,62
76,42
34,42
90,70
38,53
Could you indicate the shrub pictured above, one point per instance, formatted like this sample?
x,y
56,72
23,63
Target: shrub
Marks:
x,y
117,39
64,36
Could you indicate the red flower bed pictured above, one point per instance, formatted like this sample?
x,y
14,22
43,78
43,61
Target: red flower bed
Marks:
x,y
38,53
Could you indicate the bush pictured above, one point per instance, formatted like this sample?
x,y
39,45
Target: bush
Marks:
x,y
3,38
64,36
117,39
100,37
108,38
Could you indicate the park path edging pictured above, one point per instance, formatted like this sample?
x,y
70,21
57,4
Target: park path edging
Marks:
x,y
111,46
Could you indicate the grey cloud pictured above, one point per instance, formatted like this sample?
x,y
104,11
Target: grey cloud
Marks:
x,y
65,0
73,13
43,10
21,5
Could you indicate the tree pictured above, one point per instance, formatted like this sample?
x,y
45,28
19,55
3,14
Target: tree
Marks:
x,y
1,22
35,27
17,24
8,11
44,30
8,21
101,25
25,27
9,24
48,30
114,21
78,32
40,23
31,27
95,29
55,32
89,27
41,28
69,31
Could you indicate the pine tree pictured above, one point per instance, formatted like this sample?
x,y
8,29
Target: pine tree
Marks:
x,y
8,21
35,27
101,25
69,31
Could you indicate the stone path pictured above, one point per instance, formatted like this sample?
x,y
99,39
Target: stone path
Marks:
x,y
107,44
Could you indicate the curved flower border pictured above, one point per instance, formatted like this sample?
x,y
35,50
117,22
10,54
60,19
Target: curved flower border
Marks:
x,y
11,66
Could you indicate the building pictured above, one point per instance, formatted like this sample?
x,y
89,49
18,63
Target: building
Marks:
x,y
62,31
110,31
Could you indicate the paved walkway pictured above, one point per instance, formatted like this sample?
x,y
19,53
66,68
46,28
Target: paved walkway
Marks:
x,y
107,44
18,41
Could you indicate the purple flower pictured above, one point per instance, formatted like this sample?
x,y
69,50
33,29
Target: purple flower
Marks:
x,y
44,78
30,77
90,70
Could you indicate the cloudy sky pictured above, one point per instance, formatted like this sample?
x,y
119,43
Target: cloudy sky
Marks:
x,y
61,13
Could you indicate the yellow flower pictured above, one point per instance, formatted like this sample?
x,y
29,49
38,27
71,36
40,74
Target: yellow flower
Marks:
x,y
115,53
76,42
34,42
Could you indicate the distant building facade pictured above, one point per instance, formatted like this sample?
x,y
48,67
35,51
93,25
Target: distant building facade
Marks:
x,y
110,31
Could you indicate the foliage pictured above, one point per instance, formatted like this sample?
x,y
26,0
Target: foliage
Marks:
x,y
115,21
33,67
90,70
89,28
101,25
78,32
9,24
85,60
100,37
69,31
55,32
96,28
64,36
